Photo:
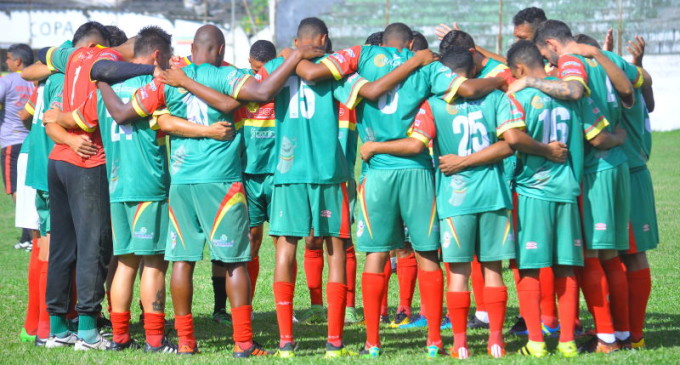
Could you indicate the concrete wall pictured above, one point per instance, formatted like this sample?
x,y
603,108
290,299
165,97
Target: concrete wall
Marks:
x,y
665,71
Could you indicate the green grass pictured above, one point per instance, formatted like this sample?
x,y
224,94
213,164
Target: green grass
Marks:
x,y
662,335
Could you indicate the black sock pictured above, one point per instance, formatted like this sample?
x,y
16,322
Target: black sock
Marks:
x,y
26,235
220,292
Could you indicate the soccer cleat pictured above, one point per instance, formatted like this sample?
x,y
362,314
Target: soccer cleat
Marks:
x,y
595,345
475,323
130,345
286,351
418,322
101,344
166,347
446,324
552,332
461,353
54,341
434,351
567,349
222,317
351,316
187,350
255,350
534,349
385,319
25,337
372,352
496,351
104,326
40,342
400,319
23,245
639,345
315,314
337,351
519,328
626,344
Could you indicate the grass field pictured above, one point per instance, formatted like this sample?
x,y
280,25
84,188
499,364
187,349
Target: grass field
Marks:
x,y
662,335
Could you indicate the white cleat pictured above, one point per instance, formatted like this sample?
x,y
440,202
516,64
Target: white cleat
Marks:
x,y
54,341
101,344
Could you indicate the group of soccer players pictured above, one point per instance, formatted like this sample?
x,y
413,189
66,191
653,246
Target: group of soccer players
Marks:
x,y
470,159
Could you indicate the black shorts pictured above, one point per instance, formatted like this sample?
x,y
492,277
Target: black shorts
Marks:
x,y
9,157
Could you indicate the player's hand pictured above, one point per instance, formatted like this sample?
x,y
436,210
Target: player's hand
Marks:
x,y
620,135
285,53
309,52
516,86
608,44
367,151
637,50
82,145
173,77
51,116
425,57
584,50
558,152
442,29
451,164
221,131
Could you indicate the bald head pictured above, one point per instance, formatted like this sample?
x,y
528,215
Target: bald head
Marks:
x,y
208,46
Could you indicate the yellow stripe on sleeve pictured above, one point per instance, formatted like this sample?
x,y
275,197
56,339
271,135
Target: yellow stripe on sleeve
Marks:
x,y
337,74
455,85
579,79
81,122
50,65
640,79
509,125
138,107
596,129
240,84
354,97
421,137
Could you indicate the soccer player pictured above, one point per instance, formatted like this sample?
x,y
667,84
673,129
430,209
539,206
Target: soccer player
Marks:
x,y
410,200
473,221
606,188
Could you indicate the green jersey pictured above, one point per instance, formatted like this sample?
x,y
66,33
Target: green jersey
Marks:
x,y
307,144
638,144
41,144
198,160
463,128
390,117
348,136
136,158
259,135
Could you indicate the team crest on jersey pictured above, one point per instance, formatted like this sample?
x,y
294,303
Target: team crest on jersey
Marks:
x,y
223,241
360,228
541,178
173,239
252,106
452,109
536,102
578,243
446,240
591,62
459,190
286,155
380,60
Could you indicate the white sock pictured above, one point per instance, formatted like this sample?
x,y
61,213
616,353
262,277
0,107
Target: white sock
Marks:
x,y
606,337
482,316
621,335
393,262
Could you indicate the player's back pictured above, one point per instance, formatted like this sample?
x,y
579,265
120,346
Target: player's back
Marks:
x,y
258,121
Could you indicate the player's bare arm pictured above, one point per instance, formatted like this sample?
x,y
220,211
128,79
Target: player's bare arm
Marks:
x,y
221,131
36,72
26,118
520,141
374,90
605,140
265,90
442,29
563,90
476,88
81,144
637,51
222,102
120,112
452,164
63,119
397,147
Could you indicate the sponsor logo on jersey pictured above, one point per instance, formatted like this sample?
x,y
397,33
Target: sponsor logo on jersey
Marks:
x,y
531,245
143,233
452,109
255,134
223,241
571,63
360,228
326,213
446,240
536,102
578,243
380,60
340,58
592,62
600,226
350,52
182,90
646,228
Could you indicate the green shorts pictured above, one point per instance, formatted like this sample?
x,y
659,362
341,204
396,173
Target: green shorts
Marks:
x,y
488,235
644,231
216,213
548,233
391,199
42,205
299,208
606,208
259,193
139,228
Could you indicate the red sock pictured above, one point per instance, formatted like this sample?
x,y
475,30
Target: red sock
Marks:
x,y
120,323
618,293
253,271
496,301
640,287
567,294
387,272
432,296
33,306
351,271
185,331
243,327
337,298
372,289
154,324
546,279
314,272
596,292
529,295
458,304
477,278
284,293
44,318
407,273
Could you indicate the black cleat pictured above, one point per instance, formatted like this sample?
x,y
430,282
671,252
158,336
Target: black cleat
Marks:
x,y
130,345
166,347
519,328
475,323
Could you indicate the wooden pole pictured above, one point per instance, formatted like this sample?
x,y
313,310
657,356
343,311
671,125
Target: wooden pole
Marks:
x,y
620,35
387,13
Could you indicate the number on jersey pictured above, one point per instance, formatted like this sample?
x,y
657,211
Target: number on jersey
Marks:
x,y
474,133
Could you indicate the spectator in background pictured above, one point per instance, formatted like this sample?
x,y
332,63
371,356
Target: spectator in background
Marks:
x,y
14,93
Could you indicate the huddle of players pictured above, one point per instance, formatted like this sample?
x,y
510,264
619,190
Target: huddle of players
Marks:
x,y
436,146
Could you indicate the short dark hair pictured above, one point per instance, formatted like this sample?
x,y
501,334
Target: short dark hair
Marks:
x,y
419,41
456,38
458,58
586,39
152,38
329,45
552,29
23,52
397,31
312,27
117,36
90,29
524,52
533,16
263,51
375,39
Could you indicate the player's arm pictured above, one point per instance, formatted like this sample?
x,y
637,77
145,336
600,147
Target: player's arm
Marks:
x,y
221,131
121,112
559,89
605,140
374,90
522,142
63,119
398,147
264,91
25,118
637,51
81,144
118,71
222,102
442,29
476,88
35,72
451,164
